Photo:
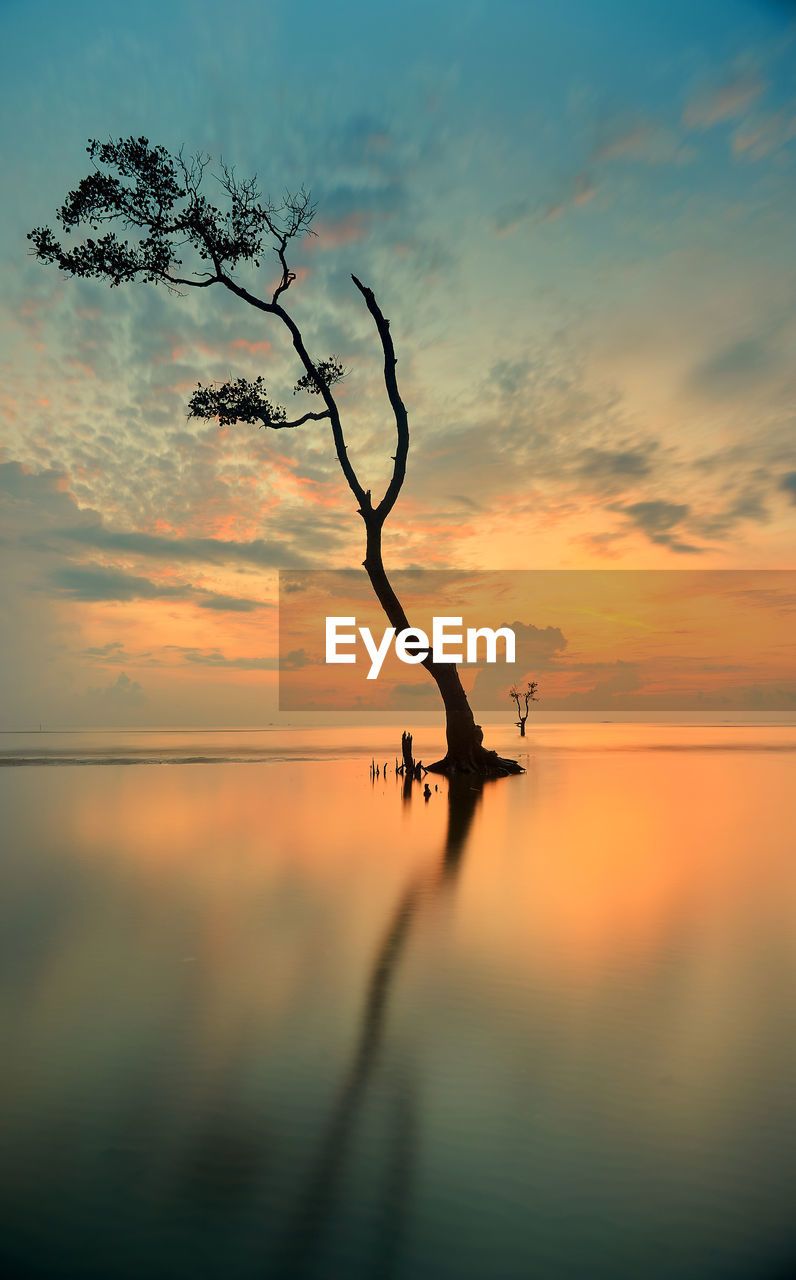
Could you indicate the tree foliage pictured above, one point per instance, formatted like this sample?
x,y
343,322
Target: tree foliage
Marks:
x,y
159,199
167,230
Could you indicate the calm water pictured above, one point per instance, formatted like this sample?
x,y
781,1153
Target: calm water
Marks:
x,y
264,1018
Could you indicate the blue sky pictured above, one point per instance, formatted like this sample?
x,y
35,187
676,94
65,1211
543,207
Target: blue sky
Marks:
x,y
579,220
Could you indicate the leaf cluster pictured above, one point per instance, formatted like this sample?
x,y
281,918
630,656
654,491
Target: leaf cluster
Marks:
x,y
246,400
238,401
328,373
159,200
528,695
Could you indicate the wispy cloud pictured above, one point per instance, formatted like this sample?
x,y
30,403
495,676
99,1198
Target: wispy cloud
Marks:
x,y
788,485
759,137
658,519
727,101
97,583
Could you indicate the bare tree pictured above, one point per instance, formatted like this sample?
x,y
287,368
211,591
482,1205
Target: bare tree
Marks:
x,y
159,203
528,696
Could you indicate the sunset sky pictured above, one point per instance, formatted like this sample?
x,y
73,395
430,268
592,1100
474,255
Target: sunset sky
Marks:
x,y
579,219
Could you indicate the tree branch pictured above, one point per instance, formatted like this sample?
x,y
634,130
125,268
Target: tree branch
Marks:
x,y
243,400
399,409
193,284
315,417
288,276
275,309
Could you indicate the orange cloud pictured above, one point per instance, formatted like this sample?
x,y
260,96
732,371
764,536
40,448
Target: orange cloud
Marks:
x,y
331,235
256,348
726,102
584,189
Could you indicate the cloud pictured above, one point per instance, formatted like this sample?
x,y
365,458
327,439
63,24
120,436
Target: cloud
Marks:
x,y
788,485
585,190
631,143
510,375
644,142
658,516
725,102
537,649
656,519
94,583
742,363
120,693
214,658
228,604
627,463
55,635
641,141
469,504
420,695
46,527
112,651
354,227
533,430
541,463
746,505
510,216
579,192
295,660
46,513
760,137
622,678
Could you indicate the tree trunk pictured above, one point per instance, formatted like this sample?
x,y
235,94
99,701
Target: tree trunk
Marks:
x,y
522,725
466,752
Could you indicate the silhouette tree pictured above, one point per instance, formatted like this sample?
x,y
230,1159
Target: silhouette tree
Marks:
x,y
159,205
528,695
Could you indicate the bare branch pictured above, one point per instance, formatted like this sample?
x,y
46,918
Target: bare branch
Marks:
x,y
399,409
288,276
193,284
297,213
306,417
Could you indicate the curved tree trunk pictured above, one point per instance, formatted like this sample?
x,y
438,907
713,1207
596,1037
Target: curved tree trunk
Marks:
x,y
465,753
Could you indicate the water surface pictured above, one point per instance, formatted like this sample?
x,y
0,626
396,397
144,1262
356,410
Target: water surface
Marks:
x,y
265,1017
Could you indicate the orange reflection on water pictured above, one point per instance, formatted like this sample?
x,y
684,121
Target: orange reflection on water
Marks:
x,y
594,958
604,856
594,857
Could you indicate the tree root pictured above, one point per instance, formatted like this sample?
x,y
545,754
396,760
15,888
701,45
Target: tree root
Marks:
x,y
477,762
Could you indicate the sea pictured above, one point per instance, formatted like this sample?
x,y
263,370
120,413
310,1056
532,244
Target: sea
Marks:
x,y
268,1010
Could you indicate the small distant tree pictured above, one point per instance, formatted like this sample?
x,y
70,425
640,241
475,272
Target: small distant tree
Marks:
x,y
159,203
523,699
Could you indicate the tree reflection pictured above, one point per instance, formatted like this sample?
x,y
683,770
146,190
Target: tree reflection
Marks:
x,y
316,1199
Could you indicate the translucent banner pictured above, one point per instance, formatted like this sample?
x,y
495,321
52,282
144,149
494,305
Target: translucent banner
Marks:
x,y
593,640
